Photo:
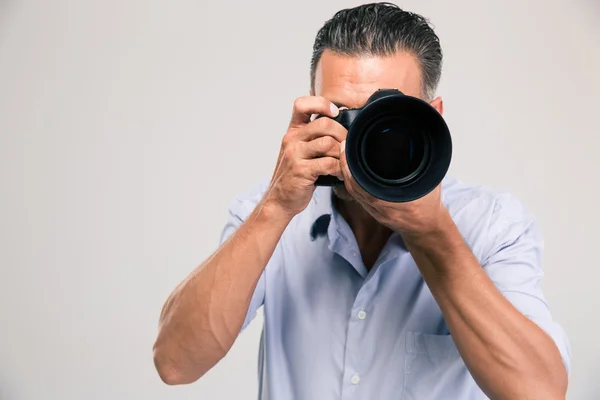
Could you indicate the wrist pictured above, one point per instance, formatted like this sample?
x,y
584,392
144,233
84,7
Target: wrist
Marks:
x,y
441,233
441,254
273,213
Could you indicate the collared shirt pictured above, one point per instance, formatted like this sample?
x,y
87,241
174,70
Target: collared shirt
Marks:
x,y
335,330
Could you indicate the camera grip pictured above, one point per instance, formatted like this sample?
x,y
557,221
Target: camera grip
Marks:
x,y
328,180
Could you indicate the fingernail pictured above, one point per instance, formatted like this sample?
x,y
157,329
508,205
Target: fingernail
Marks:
x,y
334,110
342,146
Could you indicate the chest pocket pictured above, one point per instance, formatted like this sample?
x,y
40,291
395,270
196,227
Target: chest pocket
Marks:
x,y
434,370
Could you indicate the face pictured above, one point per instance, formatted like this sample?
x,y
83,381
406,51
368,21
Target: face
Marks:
x,y
349,81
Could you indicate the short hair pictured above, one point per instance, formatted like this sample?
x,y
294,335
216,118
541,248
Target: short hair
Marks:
x,y
382,29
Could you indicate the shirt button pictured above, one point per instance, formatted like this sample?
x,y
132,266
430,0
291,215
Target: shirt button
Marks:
x,y
355,379
362,314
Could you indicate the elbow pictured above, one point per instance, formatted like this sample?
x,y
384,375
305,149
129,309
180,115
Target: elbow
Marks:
x,y
169,371
169,374
548,380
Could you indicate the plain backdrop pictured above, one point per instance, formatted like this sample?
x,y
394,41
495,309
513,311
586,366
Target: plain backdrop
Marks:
x,y
127,127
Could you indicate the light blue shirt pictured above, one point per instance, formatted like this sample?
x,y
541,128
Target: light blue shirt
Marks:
x,y
334,330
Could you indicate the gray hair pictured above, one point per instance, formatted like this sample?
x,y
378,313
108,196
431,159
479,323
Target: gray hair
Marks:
x,y
382,29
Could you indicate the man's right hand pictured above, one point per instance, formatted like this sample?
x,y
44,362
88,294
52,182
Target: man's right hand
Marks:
x,y
204,314
308,149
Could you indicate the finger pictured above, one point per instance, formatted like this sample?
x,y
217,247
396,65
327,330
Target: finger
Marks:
x,y
306,106
323,127
324,166
324,146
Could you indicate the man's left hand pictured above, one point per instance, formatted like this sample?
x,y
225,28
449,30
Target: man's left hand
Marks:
x,y
424,216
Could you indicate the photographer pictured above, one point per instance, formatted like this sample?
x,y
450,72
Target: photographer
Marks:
x,y
436,298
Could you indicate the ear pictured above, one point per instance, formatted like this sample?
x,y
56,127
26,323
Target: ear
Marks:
x,y
438,104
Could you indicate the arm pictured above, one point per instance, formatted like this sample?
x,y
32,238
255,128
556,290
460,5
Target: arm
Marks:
x,y
508,355
203,316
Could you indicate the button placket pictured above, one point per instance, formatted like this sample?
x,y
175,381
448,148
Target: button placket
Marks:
x,y
353,352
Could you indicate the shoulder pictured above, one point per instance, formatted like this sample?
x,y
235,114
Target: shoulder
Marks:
x,y
503,207
485,216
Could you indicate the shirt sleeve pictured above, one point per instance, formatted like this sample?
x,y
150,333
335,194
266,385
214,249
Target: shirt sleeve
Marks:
x,y
515,267
238,211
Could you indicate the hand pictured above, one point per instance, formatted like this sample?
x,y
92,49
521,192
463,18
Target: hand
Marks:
x,y
308,149
413,220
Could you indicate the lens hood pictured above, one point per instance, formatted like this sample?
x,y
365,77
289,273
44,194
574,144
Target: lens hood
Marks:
x,y
398,147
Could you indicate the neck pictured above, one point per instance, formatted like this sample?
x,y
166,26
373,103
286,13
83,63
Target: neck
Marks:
x,y
370,235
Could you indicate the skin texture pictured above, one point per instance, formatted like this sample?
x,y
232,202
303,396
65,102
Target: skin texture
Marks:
x,y
507,354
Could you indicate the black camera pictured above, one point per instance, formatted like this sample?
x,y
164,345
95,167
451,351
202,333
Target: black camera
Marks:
x,y
398,147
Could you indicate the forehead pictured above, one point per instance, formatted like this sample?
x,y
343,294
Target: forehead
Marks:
x,y
350,80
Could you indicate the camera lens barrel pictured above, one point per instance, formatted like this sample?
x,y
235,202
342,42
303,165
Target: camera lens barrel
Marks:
x,y
398,147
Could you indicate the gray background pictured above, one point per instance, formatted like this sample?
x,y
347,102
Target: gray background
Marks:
x,y
126,128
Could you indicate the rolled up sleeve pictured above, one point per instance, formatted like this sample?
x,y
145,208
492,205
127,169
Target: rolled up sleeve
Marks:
x,y
514,265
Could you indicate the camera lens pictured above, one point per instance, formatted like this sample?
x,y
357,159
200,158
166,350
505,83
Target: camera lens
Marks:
x,y
398,147
394,150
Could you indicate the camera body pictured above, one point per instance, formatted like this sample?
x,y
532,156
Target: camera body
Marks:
x,y
398,147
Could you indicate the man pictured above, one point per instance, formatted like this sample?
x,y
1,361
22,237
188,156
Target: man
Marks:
x,y
438,298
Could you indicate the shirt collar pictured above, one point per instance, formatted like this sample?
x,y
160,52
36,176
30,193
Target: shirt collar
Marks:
x,y
328,221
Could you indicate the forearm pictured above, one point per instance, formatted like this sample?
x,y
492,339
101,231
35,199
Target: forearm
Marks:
x,y
508,355
203,316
